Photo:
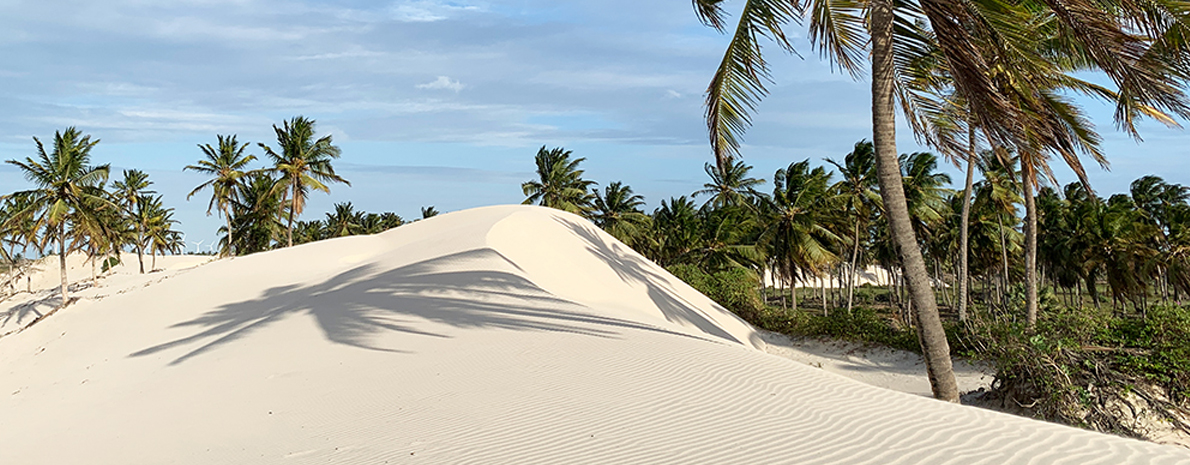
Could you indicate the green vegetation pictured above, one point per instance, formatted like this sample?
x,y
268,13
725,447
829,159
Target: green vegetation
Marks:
x,y
1112,272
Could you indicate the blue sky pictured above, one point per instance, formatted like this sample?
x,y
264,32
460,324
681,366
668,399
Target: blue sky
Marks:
x,y
433,103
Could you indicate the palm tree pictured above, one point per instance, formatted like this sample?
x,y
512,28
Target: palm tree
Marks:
x,y
676,226
68,188
127,193
796,232
256,211
427,212
617,211
1138,46
859,199
304,164
344,221
730,188
159,232
559,183
225,165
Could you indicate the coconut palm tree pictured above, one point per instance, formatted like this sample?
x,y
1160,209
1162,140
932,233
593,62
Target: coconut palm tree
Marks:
x,y
303,164
729,188
857,195
428,212
617,210
67,189
676,226
127,193
159,233
1138,46
225,164
796,232
344,221
559,182
256,212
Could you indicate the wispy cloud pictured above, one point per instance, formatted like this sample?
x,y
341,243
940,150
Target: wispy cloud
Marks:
x,y
422,11
442,82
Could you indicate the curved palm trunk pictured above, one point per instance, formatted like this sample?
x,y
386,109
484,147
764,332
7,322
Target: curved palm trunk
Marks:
x,y
1030,245
964,237
62,262
929,323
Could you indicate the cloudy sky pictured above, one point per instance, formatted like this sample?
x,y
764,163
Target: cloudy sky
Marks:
x,y
433,102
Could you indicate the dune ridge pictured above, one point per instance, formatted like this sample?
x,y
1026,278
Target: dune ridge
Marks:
x,y
506,334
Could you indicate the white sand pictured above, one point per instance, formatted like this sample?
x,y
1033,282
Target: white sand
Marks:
x,y
496,335
878,366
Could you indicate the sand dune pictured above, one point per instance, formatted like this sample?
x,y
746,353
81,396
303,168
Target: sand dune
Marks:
x,y
512,335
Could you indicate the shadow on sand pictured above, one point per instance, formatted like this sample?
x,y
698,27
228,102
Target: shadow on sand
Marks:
x,y
459,290
634,269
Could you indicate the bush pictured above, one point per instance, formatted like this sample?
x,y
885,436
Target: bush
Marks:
x,y
1087,367
734,289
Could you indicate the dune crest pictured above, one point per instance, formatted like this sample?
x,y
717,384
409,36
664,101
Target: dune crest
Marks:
x,y
506,334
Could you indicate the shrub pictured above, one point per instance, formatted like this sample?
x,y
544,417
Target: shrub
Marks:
x,y
734,289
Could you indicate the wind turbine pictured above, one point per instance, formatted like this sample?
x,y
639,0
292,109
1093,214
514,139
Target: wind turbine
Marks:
x,y
197,247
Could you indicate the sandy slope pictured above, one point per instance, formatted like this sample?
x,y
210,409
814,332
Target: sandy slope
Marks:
x,y
494,335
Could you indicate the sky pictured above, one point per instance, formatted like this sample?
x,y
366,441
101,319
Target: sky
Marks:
x,y
439,103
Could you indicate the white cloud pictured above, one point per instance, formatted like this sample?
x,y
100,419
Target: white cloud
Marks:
x,y
423,11
673,93
442,82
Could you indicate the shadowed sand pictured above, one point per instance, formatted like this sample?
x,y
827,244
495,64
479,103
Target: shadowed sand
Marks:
x,y
504,334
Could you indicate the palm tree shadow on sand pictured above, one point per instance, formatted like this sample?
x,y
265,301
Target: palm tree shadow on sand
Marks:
x,y
634,269
354,306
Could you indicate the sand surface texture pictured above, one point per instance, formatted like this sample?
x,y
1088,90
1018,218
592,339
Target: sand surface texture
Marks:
x,y
500,335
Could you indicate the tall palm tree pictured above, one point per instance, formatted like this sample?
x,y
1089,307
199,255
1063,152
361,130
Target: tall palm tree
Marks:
x,y
730,188
225,164
559,182
127,193
304,164
1138,46
617,211
796,232
67,188
159,233
857,195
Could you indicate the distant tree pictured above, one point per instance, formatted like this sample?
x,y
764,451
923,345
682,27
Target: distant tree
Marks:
x,y
128,193
256,214
344,221
730,188
428,212
559,182
303,164
617,210
225,164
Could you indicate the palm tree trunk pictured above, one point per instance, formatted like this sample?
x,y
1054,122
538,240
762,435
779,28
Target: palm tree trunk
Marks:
x,y
964,236
292,209
825,282
851,276
1004,261
230,238
1030,244
929,324
62,261
140,248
